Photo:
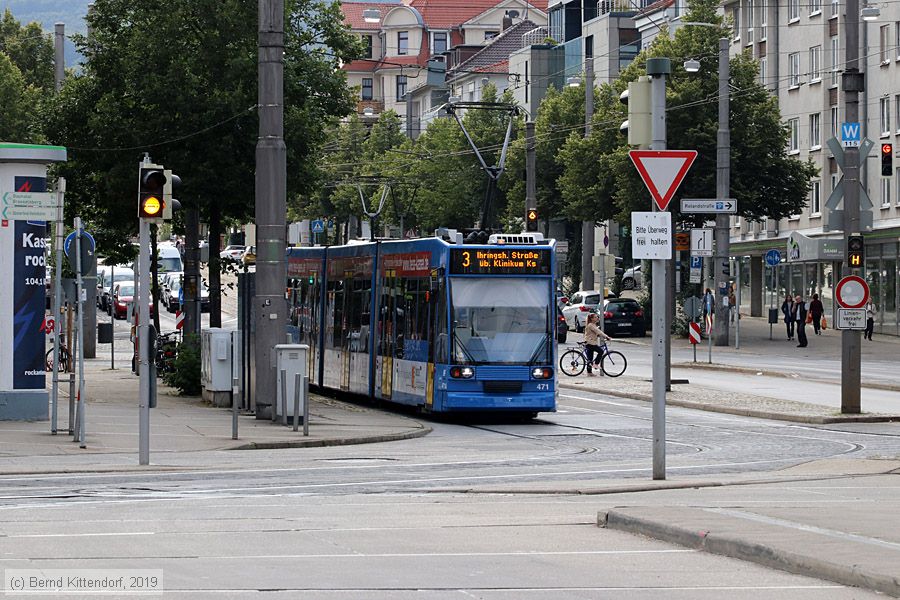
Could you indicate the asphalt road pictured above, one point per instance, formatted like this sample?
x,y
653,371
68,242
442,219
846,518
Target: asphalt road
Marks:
x,y
485,510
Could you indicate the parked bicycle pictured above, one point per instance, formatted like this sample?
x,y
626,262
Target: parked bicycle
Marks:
x,y
166,352
573,362
63,359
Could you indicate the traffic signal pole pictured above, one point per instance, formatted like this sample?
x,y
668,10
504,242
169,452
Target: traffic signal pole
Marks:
x,y
852,83
142,341
721,272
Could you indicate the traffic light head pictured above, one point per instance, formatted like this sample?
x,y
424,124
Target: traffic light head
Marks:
x,y
531,219
887,160
856,251
151,201
637,97
173,181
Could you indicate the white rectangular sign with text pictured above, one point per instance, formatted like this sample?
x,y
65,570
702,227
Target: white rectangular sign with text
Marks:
x,y
651,235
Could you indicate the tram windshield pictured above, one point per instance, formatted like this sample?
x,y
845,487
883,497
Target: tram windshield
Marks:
x,y
501,320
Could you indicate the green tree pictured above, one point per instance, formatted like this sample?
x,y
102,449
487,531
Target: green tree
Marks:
x,y
18,100
30,49
177,79
599,178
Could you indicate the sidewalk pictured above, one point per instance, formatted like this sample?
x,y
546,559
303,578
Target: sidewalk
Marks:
x,y
178,425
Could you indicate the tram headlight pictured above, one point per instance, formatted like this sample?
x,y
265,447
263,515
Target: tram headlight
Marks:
x,y
542,373
462,372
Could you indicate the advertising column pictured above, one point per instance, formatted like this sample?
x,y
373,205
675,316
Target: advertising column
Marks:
x,y
23,244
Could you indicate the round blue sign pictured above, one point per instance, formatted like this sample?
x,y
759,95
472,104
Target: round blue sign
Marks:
x,y
773,258
86,238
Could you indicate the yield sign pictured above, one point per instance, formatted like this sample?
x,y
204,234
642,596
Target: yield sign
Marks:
x,y
662,171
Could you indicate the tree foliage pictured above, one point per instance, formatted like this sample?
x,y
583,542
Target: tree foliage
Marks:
x,y
599,178
178,79
26,78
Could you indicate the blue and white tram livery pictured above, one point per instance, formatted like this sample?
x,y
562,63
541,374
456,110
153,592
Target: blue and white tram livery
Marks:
x,y
439,326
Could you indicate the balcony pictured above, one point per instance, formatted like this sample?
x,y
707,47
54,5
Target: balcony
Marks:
x,y
377,106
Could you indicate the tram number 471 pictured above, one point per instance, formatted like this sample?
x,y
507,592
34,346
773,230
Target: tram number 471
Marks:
x,y
543,387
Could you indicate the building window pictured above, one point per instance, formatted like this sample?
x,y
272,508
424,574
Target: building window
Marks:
x,y
885,192
736,18
884,49
885,104
367,88
762,71
401,87
489,35
367,41
402,42
793,10
750,21
835,60
588,46
897,108
794,141
897,38
897,172
834,8
815,133
815,198
438,42
835,123
815,7
815,64
794,62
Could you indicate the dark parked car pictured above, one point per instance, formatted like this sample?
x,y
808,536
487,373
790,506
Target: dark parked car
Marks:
x,y
623,315
562,328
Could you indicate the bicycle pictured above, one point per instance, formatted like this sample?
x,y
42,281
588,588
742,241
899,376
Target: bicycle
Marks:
x,y
573,362
63,359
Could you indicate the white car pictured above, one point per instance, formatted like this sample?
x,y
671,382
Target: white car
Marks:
x,y
631,278
232,253
580,305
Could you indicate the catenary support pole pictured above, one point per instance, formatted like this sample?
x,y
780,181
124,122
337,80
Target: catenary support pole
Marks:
x,y
852,82
587,227
723,190
271,190
79,303
57,300
658,68
143,306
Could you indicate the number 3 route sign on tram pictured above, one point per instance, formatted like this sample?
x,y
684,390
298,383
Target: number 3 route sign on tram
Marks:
x,y
662,171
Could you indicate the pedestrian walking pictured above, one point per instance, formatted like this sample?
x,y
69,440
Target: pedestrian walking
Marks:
x,y
800,314
870,320
787,308
592,336
816,309
708,309
732,305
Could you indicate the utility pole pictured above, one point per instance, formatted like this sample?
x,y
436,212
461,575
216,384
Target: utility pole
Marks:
x,y
271,191
191,284
852,82
723,190
657,69
59,54
587,227
530,166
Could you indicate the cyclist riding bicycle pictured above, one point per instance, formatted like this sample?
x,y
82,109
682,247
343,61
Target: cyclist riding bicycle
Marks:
x,y
592,336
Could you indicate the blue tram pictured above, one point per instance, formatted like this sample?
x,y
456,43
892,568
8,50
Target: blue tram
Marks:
x,y
443,327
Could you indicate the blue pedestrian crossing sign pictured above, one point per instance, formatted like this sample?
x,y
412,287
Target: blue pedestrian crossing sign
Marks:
x,y
851,135
318,226
773,258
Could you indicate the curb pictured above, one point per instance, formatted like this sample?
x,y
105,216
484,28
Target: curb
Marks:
x,y
887,387
762,554
372,439
744,412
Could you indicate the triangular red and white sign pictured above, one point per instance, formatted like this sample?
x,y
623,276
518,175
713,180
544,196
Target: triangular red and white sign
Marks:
x,y
662,171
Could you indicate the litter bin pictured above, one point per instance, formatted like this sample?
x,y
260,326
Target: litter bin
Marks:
x,y
773,316
104,333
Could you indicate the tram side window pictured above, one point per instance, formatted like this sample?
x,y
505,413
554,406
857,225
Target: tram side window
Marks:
x,y
416,321
440,329
358,315
334,319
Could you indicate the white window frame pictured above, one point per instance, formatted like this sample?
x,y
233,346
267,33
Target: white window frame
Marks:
x,y
886,192
794,137
897,112
763,70
884,37
763,21
815,198
794,70
815,64
897,40
446,40
815,7
897,175
815,131
793,11
835,48
736,17
835,8
750,21
401,51
884,105
835,121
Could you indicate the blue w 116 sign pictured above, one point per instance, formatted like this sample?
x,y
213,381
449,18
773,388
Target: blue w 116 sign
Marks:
x,y
850,135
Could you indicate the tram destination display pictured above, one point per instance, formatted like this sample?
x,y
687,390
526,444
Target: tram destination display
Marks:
x,y
499,261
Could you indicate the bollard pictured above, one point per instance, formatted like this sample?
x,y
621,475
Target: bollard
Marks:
x,y
234,408
71,403
283,399
297,383
305,405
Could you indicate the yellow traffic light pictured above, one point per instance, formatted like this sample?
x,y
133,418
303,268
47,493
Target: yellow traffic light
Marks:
x,y
151,207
